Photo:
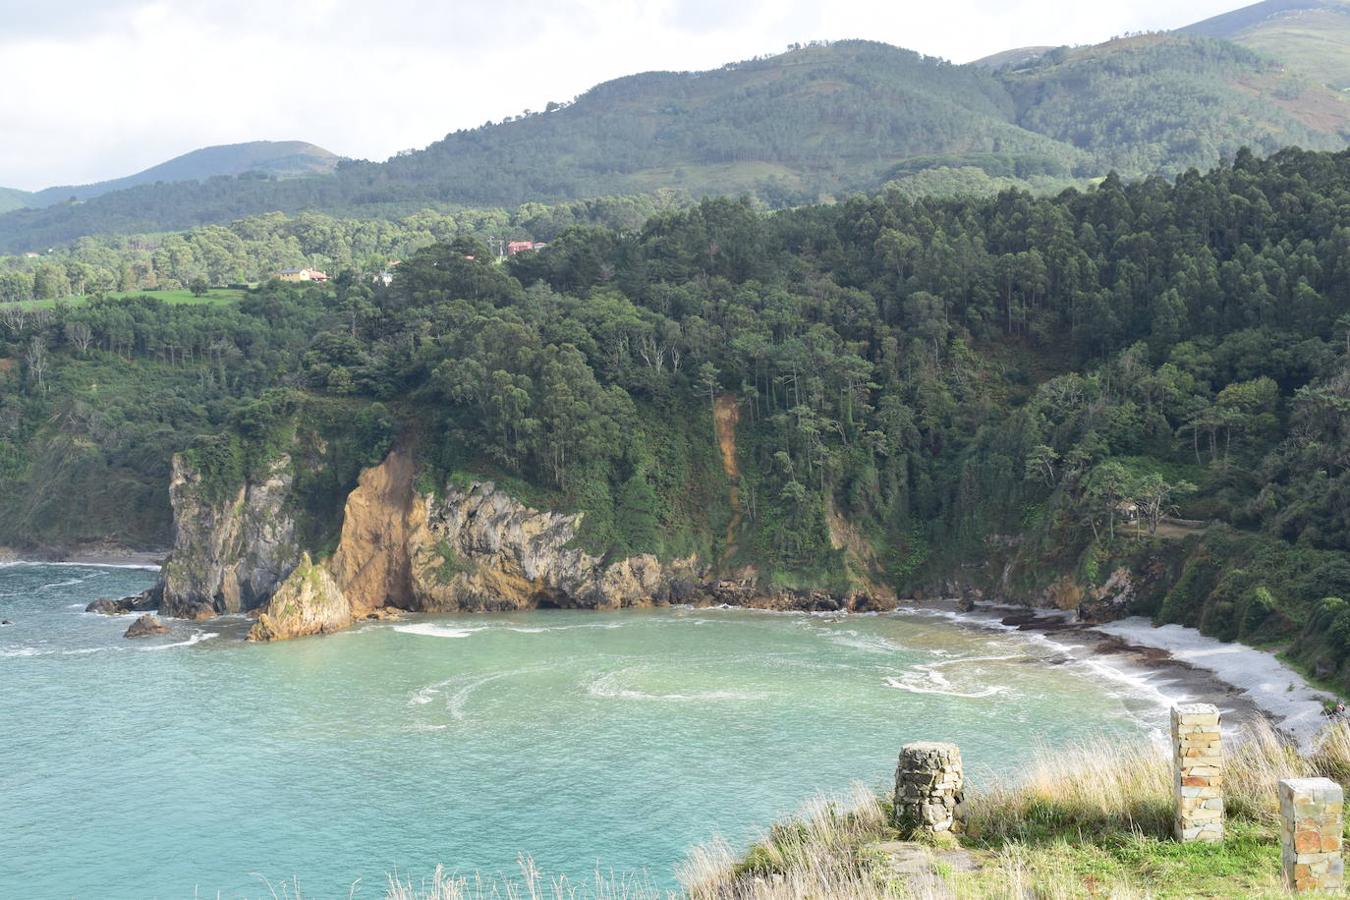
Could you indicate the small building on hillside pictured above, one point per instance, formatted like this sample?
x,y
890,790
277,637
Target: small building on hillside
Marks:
x,y
514,247
301,275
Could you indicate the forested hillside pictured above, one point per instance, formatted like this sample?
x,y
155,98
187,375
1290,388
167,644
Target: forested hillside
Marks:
x,y
253,249
817,122
1011,393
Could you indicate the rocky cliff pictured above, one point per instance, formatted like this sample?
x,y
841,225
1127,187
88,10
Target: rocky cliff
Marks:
x,y
307,602
228,556
472,548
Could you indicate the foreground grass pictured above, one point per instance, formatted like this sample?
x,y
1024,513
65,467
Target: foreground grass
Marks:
x,y
1090,821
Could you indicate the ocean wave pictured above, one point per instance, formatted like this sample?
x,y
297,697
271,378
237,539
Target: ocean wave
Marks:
x,y
425,695
196,638
428,629
33,563
544,629
71,583
868,643
928,678
458,702
606,687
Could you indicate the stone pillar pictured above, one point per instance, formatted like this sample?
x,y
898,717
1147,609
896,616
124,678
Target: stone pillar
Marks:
x,y
1311,812
930,789
1198,778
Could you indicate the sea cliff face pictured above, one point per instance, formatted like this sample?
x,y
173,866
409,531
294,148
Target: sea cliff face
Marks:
x,y
229,556
473,548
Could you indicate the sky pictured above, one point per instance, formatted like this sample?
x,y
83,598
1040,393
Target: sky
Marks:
x,y
103,88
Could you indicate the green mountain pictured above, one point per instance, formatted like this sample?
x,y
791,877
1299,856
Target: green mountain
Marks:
x,y
1309,36
1018,56
11,199
812,124
276,159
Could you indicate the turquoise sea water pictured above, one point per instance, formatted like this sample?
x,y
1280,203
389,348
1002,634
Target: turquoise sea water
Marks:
x,y
198,764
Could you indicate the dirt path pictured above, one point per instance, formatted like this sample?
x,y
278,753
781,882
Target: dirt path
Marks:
x,y
726,415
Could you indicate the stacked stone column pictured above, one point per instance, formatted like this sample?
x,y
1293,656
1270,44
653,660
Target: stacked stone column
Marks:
x,y
930,789
1311,819
1198,779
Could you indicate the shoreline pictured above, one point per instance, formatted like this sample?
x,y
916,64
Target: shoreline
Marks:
x,y
94,555
1177,663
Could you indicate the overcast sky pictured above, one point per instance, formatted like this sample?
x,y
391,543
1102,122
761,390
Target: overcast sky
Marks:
x,y
103,88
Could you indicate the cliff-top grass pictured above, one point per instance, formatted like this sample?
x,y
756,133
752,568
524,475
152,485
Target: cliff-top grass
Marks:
x,y
1092,820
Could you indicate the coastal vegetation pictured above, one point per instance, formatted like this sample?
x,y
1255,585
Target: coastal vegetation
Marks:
x,y
1008,394
1090,820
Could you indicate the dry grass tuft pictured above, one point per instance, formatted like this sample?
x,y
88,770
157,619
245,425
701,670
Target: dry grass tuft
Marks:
x,y
531,885
819,853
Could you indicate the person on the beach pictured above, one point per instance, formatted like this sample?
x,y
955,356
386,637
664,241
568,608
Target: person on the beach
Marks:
x,y
1339,711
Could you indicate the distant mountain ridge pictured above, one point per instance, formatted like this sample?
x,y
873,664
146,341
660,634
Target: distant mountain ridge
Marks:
x,y
277,159
1309,36
11,199
818,122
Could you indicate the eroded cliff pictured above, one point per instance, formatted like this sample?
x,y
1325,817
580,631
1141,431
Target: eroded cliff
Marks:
x,y
228,556
472,547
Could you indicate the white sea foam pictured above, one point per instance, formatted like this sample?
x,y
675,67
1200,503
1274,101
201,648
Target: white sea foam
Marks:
x,y
544,629
868,643
70,583
457,702
606,686
428,629
196,638
425,695
33,563
928,678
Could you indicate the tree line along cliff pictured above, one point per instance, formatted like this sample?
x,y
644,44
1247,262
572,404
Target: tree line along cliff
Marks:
x,y
1132,396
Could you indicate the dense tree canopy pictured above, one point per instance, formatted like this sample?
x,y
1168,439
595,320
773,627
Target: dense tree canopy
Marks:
x,y
949,376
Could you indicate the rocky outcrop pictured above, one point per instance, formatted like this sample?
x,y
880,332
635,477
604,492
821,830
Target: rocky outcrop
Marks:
x,y
475,548
384,522
1109,601
142,602
308,602
227,556
105,606
481,549
146,626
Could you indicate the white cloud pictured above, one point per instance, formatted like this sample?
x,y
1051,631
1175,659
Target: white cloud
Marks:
x,y
104,88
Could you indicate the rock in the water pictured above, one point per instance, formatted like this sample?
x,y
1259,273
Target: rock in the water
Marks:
x,y
105,606
308,602
146,626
